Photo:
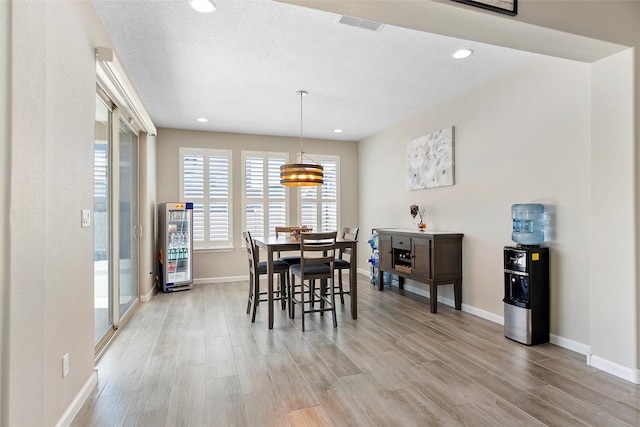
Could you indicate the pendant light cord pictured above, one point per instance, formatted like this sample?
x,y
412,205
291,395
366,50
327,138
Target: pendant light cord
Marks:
x,y
302,93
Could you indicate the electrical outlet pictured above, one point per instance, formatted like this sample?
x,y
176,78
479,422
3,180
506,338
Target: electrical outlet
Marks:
x,y
86,218
65,365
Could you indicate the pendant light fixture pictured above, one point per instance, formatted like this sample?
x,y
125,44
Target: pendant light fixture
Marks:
x,y
299,173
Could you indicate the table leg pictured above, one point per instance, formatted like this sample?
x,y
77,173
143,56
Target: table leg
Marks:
x,y
270,285
353,280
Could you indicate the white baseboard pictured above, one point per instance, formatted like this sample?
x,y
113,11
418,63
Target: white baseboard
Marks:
x,y
147,297
629,374
451,303
78,401
220,279
364,272
572,345
480,313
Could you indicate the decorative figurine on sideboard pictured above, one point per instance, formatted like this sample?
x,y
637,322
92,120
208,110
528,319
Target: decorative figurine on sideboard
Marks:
x,y
415,210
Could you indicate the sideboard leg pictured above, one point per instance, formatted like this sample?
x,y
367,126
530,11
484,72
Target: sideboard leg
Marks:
x,y
457,293
433,297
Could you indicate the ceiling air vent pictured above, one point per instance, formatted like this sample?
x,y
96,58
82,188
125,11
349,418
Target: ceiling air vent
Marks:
x,y
360,23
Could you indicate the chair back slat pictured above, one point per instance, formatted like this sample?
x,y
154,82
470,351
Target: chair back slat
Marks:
x,y
317,248
251,253
348,233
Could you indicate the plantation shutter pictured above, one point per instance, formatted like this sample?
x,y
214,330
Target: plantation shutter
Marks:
x,y
206,182
277,196
319,205
193,190
265,200
219,194
254,195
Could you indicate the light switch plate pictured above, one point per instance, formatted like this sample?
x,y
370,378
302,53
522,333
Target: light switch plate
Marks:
x,y
65,365
86,218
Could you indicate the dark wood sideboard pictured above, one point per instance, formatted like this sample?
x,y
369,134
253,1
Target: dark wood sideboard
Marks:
x,y
431,257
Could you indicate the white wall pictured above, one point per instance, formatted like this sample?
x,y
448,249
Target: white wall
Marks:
x,y
5,167
225,265
148,215
516,137
50,277
26,263
614,211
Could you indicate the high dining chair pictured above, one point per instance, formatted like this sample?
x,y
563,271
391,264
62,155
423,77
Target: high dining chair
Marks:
x,y
257,269
348,233
317,259
289,259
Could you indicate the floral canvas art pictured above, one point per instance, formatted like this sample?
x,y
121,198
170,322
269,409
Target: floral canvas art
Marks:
x,y
430,160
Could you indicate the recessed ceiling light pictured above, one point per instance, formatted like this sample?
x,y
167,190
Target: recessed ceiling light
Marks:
x,y
462,53
203,6
203,120
337,130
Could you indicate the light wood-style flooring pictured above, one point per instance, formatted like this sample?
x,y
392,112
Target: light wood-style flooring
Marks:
x,y
193,358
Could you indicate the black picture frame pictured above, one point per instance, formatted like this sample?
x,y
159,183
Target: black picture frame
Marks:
x,y
494,5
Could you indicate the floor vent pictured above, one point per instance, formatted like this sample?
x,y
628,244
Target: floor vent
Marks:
x,y
360,23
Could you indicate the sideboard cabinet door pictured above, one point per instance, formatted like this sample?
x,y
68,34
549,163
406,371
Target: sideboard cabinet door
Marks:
x,y
421,257
447,259
384,245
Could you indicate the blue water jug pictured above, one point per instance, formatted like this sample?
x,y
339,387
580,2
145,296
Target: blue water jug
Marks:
x,y
528,223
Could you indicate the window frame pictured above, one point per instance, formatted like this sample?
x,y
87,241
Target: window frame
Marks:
x,y
207,200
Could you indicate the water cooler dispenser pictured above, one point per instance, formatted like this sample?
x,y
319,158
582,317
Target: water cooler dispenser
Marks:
x,y
526,278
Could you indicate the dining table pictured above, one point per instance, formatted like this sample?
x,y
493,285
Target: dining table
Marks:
x,y
288,243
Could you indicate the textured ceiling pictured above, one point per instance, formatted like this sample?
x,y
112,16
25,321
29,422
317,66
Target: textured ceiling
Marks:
x,y
241,66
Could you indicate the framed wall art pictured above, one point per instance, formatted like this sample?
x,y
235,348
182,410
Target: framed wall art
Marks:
x,y
508,7
430,160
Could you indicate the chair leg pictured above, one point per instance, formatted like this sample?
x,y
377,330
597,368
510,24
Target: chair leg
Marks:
x,y
312,291
250,299
292,284
287,297
333,303
323,295
302,301
340,286
256,296
283,290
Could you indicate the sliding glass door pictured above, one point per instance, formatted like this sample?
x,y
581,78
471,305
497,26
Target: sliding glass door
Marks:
x,y
102,296
128,218
116,228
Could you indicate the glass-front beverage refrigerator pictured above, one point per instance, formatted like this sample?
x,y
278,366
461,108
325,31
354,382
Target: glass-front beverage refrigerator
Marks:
x,y
175,251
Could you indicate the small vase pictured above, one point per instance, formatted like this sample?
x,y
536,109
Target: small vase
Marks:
x,y
422,226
